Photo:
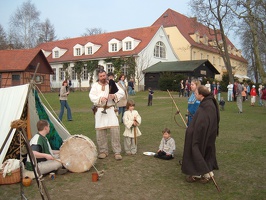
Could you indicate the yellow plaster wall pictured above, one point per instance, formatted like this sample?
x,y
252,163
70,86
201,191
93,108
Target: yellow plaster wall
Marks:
x,y
183,50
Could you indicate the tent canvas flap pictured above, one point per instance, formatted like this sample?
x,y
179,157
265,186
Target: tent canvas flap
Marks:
x,y
12,102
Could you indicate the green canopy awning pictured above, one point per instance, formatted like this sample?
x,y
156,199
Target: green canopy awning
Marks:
x,y
180,66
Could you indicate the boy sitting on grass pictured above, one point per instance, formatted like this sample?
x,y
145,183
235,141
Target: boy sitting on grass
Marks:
x,y
167,146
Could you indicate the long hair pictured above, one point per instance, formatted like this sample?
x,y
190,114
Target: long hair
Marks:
x,y
65,81
130,102
196,81
119,78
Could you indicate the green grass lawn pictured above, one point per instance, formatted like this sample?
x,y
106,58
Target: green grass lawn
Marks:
x,y
241,154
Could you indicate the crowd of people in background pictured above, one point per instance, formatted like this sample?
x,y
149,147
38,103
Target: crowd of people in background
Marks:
x,y
207,98
238,92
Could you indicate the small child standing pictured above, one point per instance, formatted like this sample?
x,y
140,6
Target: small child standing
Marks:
x,y
253,95
222,103
150,96
131,120
167,146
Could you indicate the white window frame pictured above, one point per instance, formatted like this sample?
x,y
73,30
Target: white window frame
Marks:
x,y
89,50
54,75
78,51
73,74
61,74
109,67
128,45
194,55
114,47
56,54
85,73
159,50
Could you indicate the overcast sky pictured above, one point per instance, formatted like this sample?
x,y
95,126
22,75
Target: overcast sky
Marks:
x,y
71,18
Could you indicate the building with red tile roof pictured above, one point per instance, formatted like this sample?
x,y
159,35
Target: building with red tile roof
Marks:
x,y
17,67
192,40
148,45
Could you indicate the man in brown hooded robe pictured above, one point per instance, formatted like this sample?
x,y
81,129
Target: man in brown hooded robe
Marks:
x,y
199,156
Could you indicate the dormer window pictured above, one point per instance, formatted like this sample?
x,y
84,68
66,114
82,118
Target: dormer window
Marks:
x,y
128,45
56,54
229,48
205,40
89,50
78,52
197,37
114,47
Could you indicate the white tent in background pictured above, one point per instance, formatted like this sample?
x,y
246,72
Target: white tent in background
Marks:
x,y
245,77
241,76
12,103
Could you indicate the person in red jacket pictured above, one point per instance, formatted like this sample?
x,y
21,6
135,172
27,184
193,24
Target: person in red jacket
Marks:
x,y
263,96
253,95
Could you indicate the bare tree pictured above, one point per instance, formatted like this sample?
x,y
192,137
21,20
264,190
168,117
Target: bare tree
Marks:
x,y
216,15
93,31
142,62
66,70
47,32
254,15
247,49
92,66
79,69
24,25
3,39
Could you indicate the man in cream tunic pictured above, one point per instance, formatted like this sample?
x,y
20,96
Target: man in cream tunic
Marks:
x,y
99,95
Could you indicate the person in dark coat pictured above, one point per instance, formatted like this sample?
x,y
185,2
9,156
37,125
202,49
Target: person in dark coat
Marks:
x,y
199,156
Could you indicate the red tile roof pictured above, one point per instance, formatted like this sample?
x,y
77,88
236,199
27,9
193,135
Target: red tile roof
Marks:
x,y
188,26
144,34
17,59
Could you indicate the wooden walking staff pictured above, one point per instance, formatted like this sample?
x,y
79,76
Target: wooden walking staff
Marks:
x,y
135,131
135,135
177,108
213,180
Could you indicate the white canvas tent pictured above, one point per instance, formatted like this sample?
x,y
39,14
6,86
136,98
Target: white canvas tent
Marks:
x,y
12,102
241,76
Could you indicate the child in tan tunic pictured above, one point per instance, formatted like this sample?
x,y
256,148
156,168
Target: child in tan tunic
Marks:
x,y
167,146
131,120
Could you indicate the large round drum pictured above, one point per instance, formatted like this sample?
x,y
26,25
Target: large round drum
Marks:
x,y
78,153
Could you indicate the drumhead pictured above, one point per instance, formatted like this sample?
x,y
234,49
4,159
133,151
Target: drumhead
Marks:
x,y
78,153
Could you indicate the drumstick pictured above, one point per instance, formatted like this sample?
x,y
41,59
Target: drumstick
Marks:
x,y
67,164
100,173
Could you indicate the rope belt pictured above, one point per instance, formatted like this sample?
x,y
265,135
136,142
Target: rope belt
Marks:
x,y
105,106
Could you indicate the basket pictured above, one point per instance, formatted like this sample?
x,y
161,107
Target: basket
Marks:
x,y
10,179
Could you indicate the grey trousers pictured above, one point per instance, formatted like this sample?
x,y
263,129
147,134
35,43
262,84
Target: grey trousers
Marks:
x,y
102,140
239,103
129,145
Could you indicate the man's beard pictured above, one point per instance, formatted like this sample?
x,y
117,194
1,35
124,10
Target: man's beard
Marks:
x,y
103,81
